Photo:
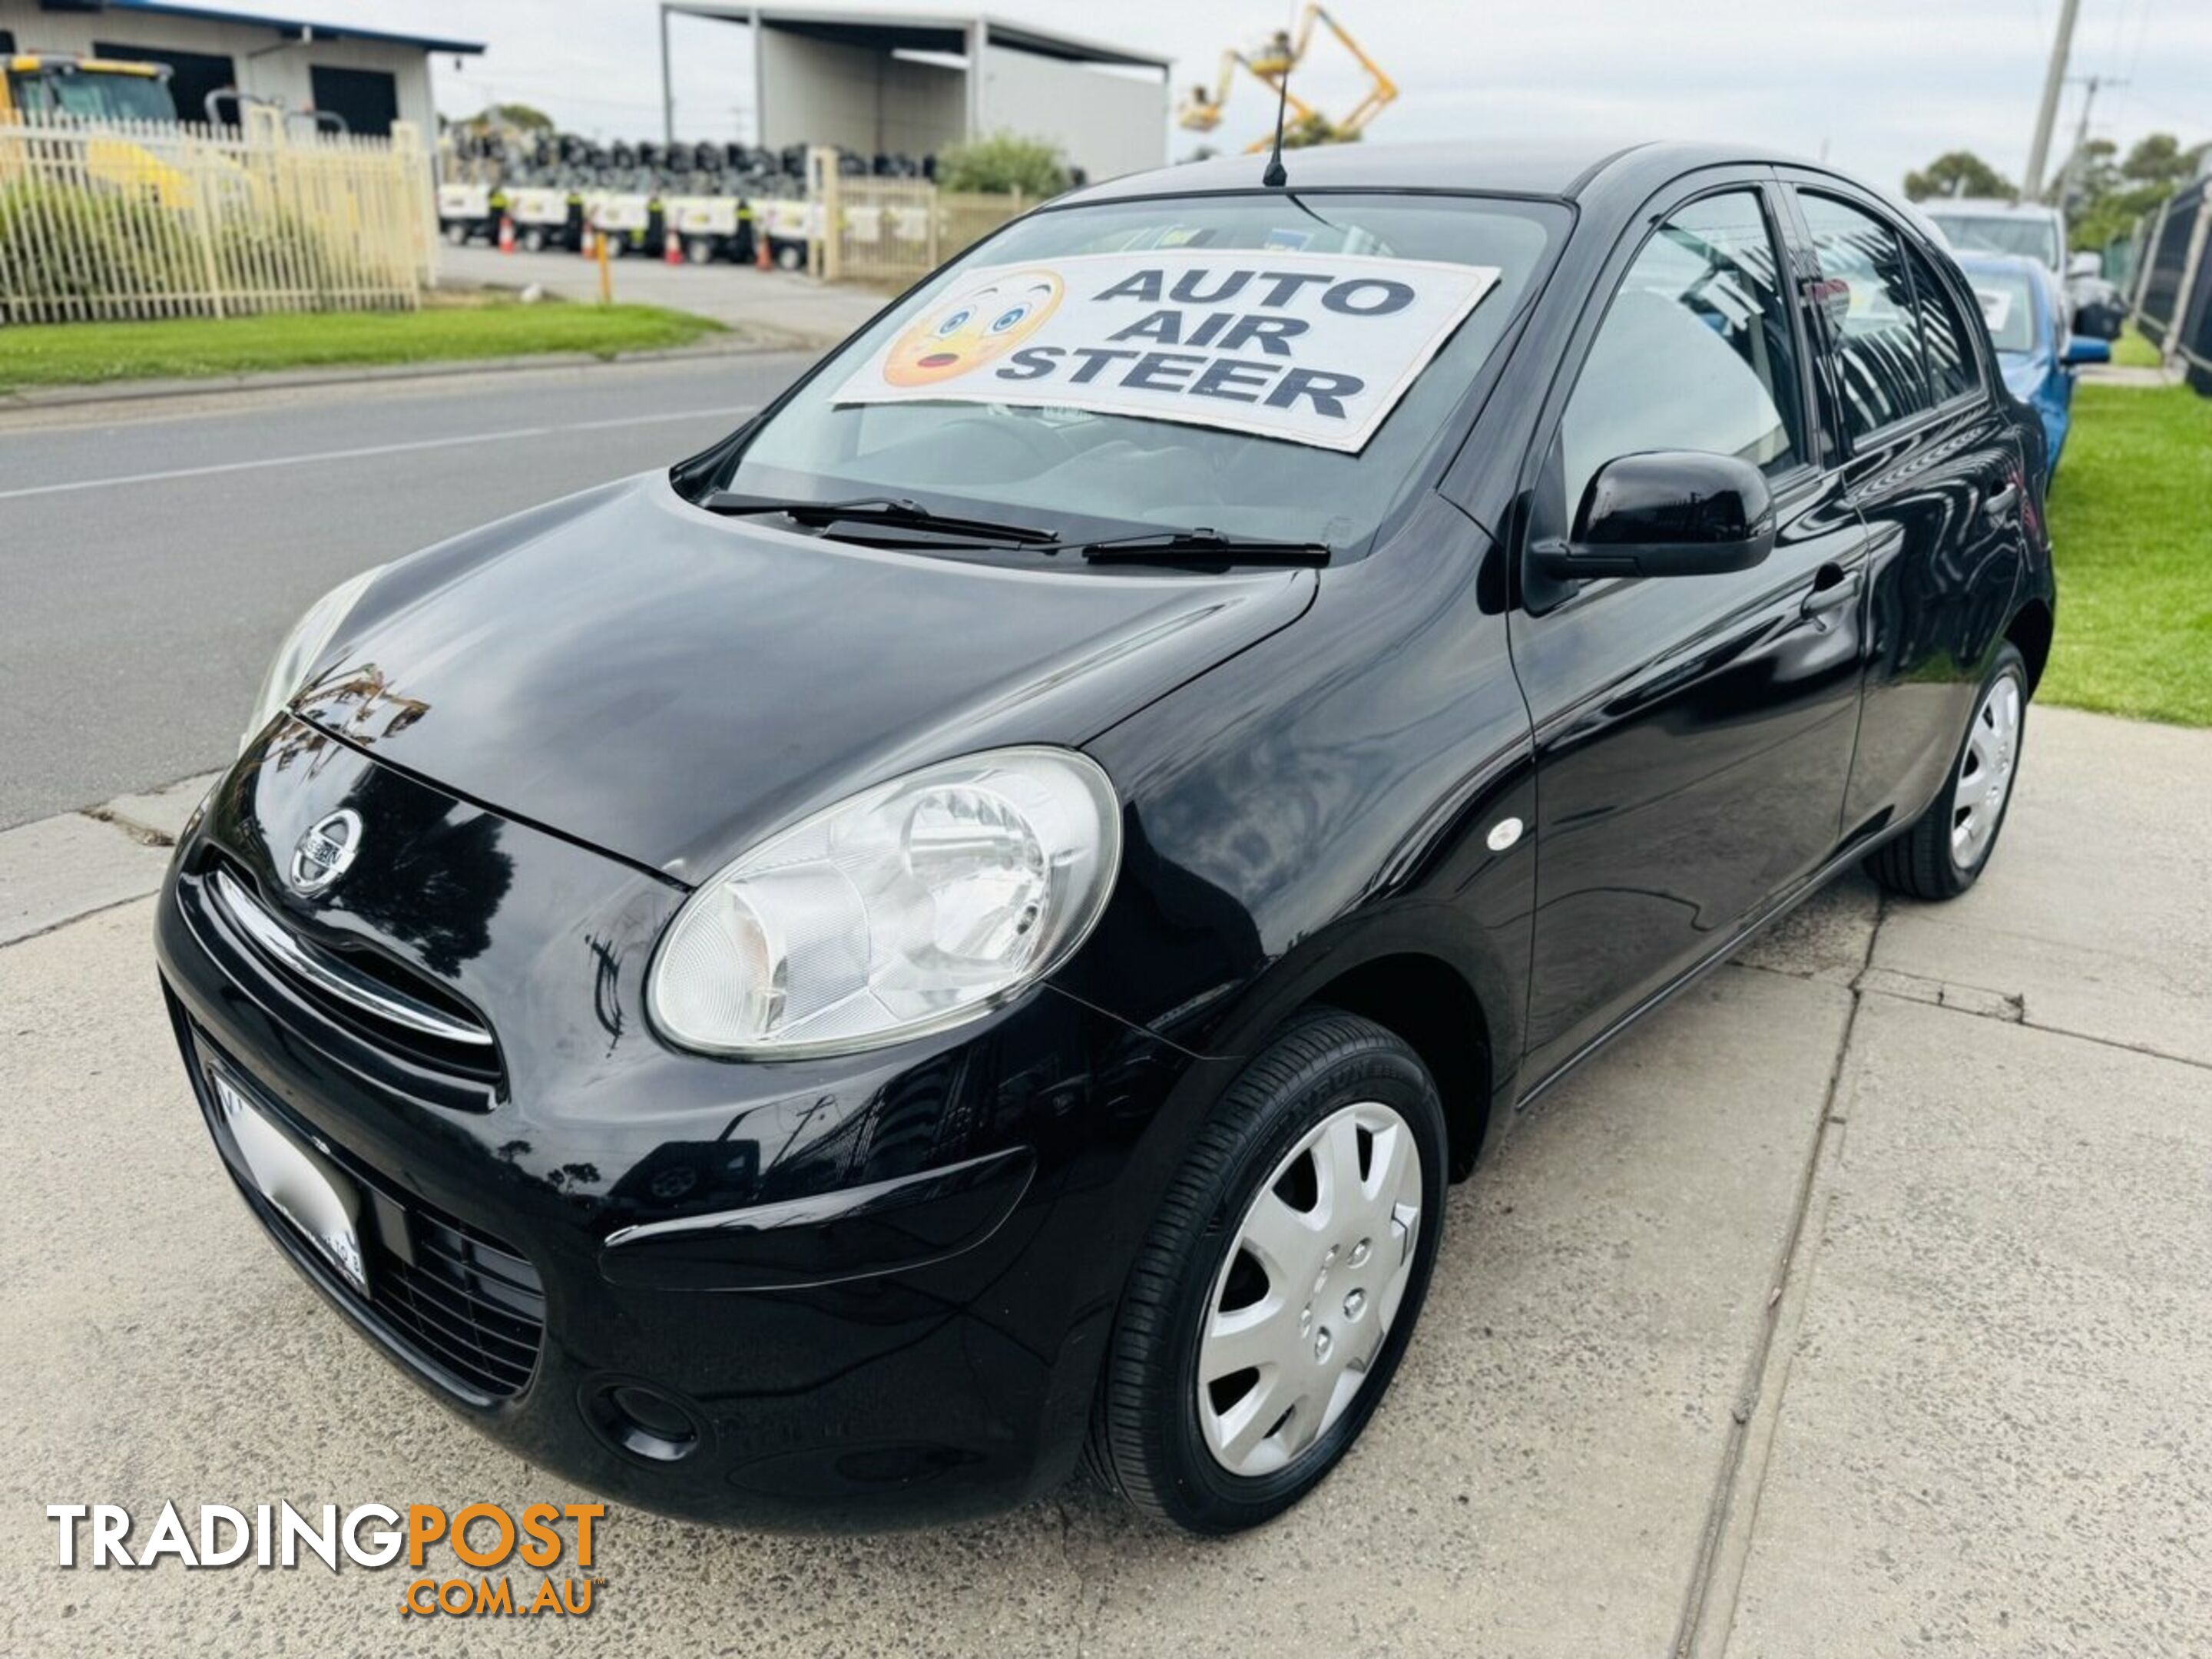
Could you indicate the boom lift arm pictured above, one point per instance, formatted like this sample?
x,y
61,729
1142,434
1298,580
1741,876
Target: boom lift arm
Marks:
x,y
1271,62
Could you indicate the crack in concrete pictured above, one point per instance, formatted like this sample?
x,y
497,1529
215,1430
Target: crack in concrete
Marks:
x,y
1715,1560
145,834
1871,986
1985,1001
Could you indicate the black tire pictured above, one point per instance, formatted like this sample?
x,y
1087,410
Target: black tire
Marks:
x,y
1923,863
534,238
698,251
1146,1441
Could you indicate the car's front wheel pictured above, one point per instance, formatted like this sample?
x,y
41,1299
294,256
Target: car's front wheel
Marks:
x,y
1949,845
1280,1281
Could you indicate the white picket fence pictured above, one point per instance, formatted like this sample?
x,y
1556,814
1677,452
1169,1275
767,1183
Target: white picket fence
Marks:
x,y
142,220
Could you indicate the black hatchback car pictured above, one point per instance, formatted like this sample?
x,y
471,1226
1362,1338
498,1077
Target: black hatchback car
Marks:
x,y
967,927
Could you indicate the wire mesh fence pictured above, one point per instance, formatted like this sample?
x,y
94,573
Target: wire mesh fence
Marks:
x,y
2173,287
130,221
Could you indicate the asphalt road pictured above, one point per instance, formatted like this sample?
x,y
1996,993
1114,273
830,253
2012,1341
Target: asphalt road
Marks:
x,y
152,553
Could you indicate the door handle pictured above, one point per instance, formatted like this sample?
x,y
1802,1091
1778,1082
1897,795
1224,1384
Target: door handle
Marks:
x,y
2002,506
1833,587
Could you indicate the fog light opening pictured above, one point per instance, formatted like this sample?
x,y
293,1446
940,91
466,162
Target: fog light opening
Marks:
x,y
642,1421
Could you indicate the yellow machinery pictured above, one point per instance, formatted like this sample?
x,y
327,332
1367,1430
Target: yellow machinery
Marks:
x,y
103,92
86,88
1273,60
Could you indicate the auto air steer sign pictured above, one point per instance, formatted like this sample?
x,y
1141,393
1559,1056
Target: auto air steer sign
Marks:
x,y
1309,348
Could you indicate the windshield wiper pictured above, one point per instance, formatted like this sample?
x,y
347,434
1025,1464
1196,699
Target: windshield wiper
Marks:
x,y
1202,546
898,512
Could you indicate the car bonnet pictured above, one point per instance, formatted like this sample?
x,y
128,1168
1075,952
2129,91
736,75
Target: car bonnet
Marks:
x,y
668,685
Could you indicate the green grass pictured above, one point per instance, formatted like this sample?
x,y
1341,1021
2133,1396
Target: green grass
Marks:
x,y
2131,527
2132,350
75,354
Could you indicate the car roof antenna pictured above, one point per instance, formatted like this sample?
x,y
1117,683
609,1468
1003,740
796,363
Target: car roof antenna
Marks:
x,y
1275,178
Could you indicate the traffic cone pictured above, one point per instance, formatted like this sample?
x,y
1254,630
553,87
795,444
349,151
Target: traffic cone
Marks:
x,y
761,260
587,243
671,251
506,234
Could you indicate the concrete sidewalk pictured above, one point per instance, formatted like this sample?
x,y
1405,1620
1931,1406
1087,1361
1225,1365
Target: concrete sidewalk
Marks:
x,y
774,303
1854,1304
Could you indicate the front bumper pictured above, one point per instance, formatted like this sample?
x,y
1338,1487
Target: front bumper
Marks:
x,y
898,1315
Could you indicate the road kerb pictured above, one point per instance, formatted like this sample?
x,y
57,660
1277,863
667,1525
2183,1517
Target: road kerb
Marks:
x,y
60,870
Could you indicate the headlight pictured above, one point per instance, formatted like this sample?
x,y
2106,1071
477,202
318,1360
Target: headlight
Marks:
x,y
912,907
301,647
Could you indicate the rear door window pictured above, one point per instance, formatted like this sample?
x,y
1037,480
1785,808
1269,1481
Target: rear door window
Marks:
x,y
1952,371
1882,375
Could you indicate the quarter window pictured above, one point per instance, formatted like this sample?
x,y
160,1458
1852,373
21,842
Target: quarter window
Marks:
x,y
1869,304
1951,371
1695,352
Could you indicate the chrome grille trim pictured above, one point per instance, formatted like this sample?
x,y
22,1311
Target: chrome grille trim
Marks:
x,y
330,975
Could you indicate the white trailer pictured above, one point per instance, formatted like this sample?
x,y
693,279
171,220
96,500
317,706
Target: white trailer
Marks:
x,y
465,214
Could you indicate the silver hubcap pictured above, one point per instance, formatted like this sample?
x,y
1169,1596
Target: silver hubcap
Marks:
x,y
1306,1294
1985,774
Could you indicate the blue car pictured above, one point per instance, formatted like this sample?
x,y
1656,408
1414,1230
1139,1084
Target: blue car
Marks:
x,y
2037,353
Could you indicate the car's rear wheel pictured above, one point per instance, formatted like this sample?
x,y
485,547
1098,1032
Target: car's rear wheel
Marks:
x,y
1280,1282
1948,847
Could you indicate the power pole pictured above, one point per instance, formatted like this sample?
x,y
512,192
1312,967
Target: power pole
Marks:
x,y
2054,82
667,86
2090,86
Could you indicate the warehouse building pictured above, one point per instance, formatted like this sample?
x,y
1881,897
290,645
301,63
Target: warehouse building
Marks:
x,y
901,82
368,77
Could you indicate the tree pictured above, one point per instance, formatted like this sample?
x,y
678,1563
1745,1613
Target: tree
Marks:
x,y
1002,164
1958,172
2105,198
527,117
2157,159
1302,132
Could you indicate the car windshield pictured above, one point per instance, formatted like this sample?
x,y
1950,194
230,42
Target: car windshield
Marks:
x,y
2028,237
1399,297
2008,307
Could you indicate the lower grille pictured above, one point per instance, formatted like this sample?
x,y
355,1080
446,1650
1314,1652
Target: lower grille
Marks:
x,y
462,1308
473,1305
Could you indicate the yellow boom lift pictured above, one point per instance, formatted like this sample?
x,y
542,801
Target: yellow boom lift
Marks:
x,y
1270,61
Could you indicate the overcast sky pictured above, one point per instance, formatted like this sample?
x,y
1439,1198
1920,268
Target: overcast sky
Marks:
x,y
1879,85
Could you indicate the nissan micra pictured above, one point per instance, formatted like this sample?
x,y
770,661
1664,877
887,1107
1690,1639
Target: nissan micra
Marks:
x,y
967,929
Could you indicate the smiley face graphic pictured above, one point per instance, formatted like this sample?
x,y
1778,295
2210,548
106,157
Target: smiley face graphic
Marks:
x,y
974,327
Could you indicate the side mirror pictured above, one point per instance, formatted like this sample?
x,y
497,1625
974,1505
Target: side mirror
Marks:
x,y
1666,513
2082,349
2085,264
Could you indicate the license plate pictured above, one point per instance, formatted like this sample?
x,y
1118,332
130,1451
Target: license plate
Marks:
x,y
303,1187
